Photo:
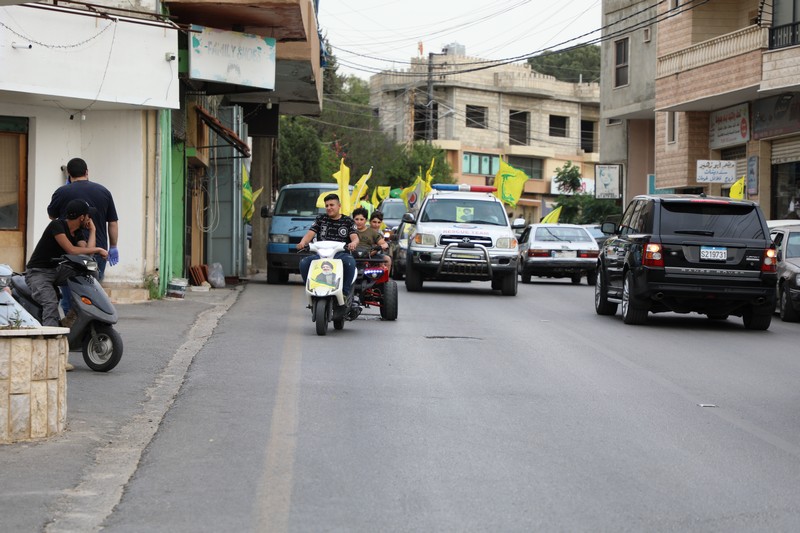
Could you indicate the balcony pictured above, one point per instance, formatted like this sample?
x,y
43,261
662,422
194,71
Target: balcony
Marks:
x,y
292,23
720,48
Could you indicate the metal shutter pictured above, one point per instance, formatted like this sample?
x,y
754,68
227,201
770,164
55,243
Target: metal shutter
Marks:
x,y
785,150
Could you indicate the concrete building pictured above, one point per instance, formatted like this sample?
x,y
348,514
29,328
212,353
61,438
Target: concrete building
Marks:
x,y
726,97
479,115
112,82
628,94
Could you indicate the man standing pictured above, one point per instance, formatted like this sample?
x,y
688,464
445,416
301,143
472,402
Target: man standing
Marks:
x,y
332,226
62,236
104,213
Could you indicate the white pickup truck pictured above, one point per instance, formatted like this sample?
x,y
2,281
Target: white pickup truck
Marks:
x,y
462,235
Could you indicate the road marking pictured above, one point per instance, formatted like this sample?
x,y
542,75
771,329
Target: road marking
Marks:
x,y
275,491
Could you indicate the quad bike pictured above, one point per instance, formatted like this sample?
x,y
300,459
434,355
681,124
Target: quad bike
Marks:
x,y
372,287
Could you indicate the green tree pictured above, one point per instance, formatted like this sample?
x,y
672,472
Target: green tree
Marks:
x,y
299,151
578,207
576,64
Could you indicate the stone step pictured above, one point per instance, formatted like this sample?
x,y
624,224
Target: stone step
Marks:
x,y
127,295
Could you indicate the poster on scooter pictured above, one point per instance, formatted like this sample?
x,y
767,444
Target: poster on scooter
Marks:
x,y
324,274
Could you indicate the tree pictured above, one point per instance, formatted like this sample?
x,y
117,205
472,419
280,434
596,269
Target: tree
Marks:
x,y
299,151
572,65
578,207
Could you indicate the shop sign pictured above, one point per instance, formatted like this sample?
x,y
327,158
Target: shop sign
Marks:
x,y
608,181
776,115
752,175
711,171
232,57
729,127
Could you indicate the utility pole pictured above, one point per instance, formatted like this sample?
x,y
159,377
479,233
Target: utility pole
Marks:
x,y
429,104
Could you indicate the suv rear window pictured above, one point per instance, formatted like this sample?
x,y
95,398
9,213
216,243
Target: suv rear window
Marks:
x,y
710,219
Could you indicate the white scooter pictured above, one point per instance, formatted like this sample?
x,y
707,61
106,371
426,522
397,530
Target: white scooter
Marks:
x,y
324,284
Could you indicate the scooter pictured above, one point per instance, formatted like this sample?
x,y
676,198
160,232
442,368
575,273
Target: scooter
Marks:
x,y
12,314
92,331
324,284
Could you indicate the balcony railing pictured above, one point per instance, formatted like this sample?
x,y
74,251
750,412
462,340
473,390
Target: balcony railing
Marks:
x,y
713,50
783,36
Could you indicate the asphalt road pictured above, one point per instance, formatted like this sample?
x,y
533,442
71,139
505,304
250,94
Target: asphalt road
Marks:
x,y
476,412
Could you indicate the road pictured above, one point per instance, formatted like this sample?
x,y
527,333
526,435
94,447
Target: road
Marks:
x,y
475,412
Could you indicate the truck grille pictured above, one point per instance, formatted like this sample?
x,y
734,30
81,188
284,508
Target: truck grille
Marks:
x,y
452,268
444,240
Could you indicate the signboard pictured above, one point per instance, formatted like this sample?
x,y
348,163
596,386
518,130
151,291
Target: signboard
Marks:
x,y
752,175
587,187
729,127
710,171
776,115
232,57
608,181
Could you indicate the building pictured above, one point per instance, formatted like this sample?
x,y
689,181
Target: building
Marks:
x,y
726,98
479,115
121,86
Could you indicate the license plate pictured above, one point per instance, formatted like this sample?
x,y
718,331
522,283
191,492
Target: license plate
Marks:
x,y
564,253
713,253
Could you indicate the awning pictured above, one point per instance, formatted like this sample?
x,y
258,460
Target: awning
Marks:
x,y
226,133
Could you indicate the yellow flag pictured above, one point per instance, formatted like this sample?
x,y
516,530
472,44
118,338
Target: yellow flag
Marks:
x,y
552,216
510,183
359,189
248,196
343,179
737,189
414,193
429,177
380,193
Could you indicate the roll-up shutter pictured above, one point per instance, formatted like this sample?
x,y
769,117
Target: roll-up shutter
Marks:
x,y
785,150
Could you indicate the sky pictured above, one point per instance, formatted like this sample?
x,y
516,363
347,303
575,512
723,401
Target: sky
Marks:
x,y
374,35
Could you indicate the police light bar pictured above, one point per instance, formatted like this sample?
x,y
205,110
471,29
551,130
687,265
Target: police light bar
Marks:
x,y
463,187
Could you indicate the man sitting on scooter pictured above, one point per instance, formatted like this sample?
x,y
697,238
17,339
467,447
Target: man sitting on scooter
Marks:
x,y
62,236
332,226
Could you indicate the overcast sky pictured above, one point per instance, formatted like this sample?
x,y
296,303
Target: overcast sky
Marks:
x,y
371,35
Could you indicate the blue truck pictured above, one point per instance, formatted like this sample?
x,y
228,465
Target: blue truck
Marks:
x,y
290,218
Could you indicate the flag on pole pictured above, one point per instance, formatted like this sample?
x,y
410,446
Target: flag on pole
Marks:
x,y
510,183
379,194
360,189
343,179
552,216
248,196
737,189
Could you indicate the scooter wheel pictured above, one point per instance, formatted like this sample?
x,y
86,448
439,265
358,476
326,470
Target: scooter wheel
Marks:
x,y
102,348
322,315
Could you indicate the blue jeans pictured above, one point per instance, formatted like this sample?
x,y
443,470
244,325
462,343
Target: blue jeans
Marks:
x,y
348,262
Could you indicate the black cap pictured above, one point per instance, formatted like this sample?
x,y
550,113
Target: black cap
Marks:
x,y
76,208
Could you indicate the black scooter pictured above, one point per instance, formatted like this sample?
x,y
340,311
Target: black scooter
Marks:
x,y
92,331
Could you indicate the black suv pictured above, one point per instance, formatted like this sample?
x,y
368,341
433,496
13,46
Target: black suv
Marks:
x,y
688,253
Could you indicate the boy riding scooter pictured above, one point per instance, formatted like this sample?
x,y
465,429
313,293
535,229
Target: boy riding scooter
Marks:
x,y
332,226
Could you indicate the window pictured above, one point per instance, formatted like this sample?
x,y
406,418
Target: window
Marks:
x,y
672,127
531,166
621,62
558,126
13,143
517,127
587,136
613,122
485,164
476,116
646,35
421,121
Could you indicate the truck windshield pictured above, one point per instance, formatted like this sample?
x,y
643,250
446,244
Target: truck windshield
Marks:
x,y
464,210
299,203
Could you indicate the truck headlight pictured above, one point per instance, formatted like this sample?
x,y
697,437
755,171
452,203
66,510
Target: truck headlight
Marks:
x,y
279,238
506,243
425,239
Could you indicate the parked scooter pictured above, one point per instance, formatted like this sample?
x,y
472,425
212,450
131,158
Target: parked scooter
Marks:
x,y
92,331
324,284
12,314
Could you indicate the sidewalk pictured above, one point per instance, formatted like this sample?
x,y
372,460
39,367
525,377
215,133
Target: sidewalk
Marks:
x,y
65,481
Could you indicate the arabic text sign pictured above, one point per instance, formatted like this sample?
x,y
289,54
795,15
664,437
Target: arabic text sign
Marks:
x,y
710,171
231,57
729,127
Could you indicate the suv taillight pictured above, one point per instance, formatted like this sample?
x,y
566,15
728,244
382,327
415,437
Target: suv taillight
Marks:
x,y
653,255
769,261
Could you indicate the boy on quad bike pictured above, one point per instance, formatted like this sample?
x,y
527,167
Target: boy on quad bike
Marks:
x,y
369,238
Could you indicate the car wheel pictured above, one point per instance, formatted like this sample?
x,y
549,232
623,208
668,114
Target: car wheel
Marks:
x,y
758,317
576,279
788,313
413,278
601,304
591,277
509,284
497,284
631,313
